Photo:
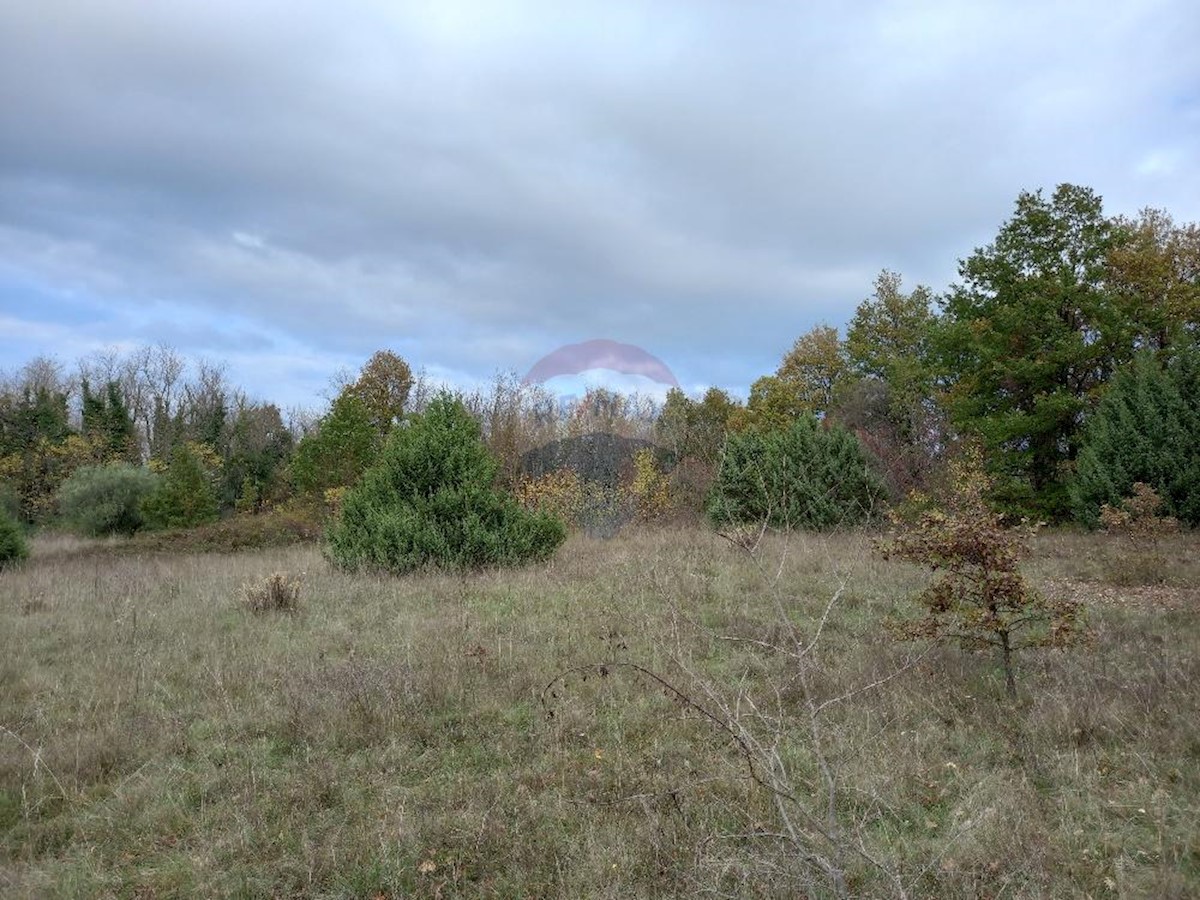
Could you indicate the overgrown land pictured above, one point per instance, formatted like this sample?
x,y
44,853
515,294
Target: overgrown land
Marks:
x,y
395,736
814,643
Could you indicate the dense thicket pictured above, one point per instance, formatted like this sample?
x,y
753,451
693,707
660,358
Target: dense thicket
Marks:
x,y
430,499
601,458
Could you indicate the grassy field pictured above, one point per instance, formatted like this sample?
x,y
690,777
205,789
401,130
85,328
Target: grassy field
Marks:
x,y
633,719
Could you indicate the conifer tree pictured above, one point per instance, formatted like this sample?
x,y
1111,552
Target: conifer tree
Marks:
x,y
1026,340
1146,429
186,496
807,475
430,500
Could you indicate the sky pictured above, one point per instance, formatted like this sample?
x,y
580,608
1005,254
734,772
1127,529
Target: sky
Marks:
x,y
287,187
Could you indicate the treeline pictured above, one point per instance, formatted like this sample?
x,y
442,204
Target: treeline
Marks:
x,y
146,420
152,440
1067,351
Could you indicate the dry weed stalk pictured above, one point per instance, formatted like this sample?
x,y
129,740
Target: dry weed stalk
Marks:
x,y
278,592
38,764
816,827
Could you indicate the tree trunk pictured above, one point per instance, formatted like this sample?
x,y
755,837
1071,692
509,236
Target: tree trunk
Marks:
x,y
1010,680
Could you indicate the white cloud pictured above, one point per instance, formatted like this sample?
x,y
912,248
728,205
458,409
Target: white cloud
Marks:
x,y
248,240
474,183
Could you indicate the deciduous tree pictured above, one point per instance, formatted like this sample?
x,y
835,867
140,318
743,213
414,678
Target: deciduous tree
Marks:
x,y
888,339
344,444
383,386
695,430
814,368
979,595
1154,271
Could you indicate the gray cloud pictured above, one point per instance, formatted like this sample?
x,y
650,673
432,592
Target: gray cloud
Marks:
x,y
474,184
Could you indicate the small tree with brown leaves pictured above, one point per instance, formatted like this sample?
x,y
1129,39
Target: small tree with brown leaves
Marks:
x,y
979,595
1139,515
1139,519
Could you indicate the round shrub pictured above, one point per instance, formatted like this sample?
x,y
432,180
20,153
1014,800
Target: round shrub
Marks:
x,y
430,500
804,476
100,500
13,548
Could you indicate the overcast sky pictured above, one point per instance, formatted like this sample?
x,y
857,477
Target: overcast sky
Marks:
x,y
291,186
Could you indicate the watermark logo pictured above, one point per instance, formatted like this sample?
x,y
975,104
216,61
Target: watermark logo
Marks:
x,y
627,359
587,477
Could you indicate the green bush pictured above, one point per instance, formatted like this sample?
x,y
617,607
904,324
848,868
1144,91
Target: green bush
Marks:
x,y
804,476
13,548
1146,429
343,446
10,503
186,496
99,500
430,500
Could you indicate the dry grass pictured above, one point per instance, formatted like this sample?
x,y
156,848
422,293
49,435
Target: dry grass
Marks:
x,y
390,739
278,592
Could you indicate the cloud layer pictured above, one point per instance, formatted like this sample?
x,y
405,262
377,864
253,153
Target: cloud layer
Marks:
x,y
291,186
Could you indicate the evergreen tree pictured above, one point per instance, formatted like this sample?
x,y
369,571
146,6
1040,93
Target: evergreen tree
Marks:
x,y
13,547
186,496
92,409
108,424
31,415
430,500
1146,429
1027,338
805,476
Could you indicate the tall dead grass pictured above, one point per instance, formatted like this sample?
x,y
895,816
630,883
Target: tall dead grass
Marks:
x,y
391,741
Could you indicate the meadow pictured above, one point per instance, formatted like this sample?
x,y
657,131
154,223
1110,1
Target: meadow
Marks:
x,y
658,714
